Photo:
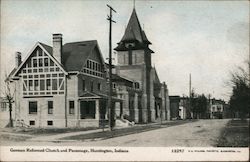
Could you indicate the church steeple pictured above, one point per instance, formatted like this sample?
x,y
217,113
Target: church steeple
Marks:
x,y
134,36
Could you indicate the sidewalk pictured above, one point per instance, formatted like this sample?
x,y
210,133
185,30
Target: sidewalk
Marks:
x,y
66,136
96,133
52,138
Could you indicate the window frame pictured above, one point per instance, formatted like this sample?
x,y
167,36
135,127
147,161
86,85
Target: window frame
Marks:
x,y
72,109
50,109
33,112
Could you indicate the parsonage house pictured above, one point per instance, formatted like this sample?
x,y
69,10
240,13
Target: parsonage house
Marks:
x,y
67,85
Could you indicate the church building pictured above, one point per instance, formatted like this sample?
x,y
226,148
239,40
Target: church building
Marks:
x,y
150,100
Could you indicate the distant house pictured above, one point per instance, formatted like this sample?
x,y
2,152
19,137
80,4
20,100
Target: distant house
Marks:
x,y
174,107
217,109
4,112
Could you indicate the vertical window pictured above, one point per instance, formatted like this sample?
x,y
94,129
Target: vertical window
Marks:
x,y
40,62
92,86
87,63
36,85
35,63
42,85
31,88
46,62
99,86
50,107
54,84
48,84
51,63
83,85
71,107
33,107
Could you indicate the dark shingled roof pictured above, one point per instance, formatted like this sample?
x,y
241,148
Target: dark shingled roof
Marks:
x,y
47,48
75,53
134,33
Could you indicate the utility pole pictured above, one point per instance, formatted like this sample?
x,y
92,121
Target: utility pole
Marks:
x,y
110,67
190,95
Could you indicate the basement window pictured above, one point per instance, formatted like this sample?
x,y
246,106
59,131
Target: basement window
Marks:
x,y
32,122
49,122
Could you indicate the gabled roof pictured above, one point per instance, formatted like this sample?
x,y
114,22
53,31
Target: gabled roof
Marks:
x,y
9,77
47,49
76,53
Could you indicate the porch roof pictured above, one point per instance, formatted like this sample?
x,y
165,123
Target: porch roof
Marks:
x,y
93,95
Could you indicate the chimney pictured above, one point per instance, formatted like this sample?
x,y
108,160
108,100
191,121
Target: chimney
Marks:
x,y
18,58
57,46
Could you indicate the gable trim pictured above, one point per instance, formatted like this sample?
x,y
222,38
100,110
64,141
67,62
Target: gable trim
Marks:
x,y
29,54
99,53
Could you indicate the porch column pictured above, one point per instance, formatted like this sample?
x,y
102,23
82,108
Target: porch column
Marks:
x,y
126,103
78,114
97,115
144,108
136,114
152,108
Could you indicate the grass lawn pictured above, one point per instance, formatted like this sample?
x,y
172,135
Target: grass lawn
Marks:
x,y
235,134
123,131
6,137
45,131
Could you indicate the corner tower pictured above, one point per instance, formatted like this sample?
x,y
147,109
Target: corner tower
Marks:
x,y
134,62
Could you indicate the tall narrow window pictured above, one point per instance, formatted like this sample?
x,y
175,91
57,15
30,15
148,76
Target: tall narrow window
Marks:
x,y
54,84
83,85
33,107
40,62
92,86
31,88
46,62
71,107
99,86
48,84
50,107
35,63
130,56
36,85
42,85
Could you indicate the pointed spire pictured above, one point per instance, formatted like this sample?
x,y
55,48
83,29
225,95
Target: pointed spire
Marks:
x,y
133,34
133,30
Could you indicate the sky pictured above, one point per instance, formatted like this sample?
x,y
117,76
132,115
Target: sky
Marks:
x,y
208,39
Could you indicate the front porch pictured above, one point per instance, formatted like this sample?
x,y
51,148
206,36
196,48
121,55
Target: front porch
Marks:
x,y
93,110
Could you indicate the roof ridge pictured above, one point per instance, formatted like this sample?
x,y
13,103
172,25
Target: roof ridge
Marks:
x,y
94,40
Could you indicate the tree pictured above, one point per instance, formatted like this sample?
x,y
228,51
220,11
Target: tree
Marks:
x,y
198,105
240,98
9,97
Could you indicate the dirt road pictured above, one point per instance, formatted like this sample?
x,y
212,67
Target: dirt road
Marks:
x,y
203,133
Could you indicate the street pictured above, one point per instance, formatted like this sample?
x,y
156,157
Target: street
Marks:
x,y
202,133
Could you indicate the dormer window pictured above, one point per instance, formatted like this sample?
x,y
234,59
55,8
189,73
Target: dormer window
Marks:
x,y
130,45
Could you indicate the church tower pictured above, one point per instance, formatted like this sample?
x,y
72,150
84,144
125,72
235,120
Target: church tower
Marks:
x,y
134,62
